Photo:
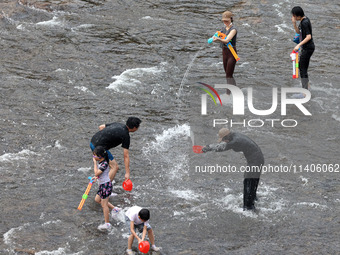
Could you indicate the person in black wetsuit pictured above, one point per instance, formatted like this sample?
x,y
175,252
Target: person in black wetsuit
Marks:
x,y
253,154
110,136
306,43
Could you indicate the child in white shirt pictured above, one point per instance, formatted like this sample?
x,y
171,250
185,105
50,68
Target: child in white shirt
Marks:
x,y
138,218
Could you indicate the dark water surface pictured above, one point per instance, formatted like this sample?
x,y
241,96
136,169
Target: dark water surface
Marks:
x,y
68,66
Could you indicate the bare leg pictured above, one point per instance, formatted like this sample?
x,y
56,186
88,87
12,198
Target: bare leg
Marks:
x,y
151,236
99,201
113,169
111,206
130,241
104,203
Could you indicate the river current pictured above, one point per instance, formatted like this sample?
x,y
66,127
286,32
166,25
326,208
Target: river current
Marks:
x,y
67,66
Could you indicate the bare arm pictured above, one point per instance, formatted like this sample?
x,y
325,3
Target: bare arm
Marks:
x,y
97,172
132,229
295,26
127,164
144,232
228,39
101,127
304,41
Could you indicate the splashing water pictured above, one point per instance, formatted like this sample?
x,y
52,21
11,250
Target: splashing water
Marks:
x,y
186,74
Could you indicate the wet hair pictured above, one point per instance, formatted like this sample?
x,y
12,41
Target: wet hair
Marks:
x,y
297,11
144,214
133,122
101,152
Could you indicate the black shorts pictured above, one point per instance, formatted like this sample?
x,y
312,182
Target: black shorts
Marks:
x,y
105,190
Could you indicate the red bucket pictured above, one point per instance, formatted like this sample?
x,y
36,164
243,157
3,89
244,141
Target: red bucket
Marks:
x,y
144,247
197,148
127,185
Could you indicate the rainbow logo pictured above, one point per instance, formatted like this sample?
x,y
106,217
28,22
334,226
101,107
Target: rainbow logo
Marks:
x,y
209,93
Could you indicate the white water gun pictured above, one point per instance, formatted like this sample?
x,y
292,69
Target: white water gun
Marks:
x,y
295,60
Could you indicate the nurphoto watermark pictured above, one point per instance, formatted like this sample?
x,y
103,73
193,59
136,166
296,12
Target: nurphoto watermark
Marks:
x,y
269,168
238,106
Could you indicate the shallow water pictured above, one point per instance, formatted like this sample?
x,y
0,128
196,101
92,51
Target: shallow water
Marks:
x,y
68,66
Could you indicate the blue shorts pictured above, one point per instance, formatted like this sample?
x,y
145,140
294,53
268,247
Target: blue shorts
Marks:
x,y
108,152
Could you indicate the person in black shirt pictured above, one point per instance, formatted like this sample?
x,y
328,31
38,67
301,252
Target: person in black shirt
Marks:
x,y
110,136
306,43
255,160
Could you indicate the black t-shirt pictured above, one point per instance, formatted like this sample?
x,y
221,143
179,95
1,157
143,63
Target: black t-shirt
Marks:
x,y
111,136
306,29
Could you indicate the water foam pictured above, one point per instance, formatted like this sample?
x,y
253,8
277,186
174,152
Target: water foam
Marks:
x,y
84,89
120,216
58,145
82,26
279,13
162,143
305,180
243,64
50,23
131,77
185,194
267,204
312,204
177,213
246,25
8,235
216,64
51,222
280,28
151,18
179,130
233,202
24,154
337,118
60,251
11,234
21,27
84,169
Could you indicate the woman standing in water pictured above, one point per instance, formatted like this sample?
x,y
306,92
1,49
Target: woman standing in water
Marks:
x,y
229,60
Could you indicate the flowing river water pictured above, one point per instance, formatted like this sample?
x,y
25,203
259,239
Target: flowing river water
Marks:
x,y
67,66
